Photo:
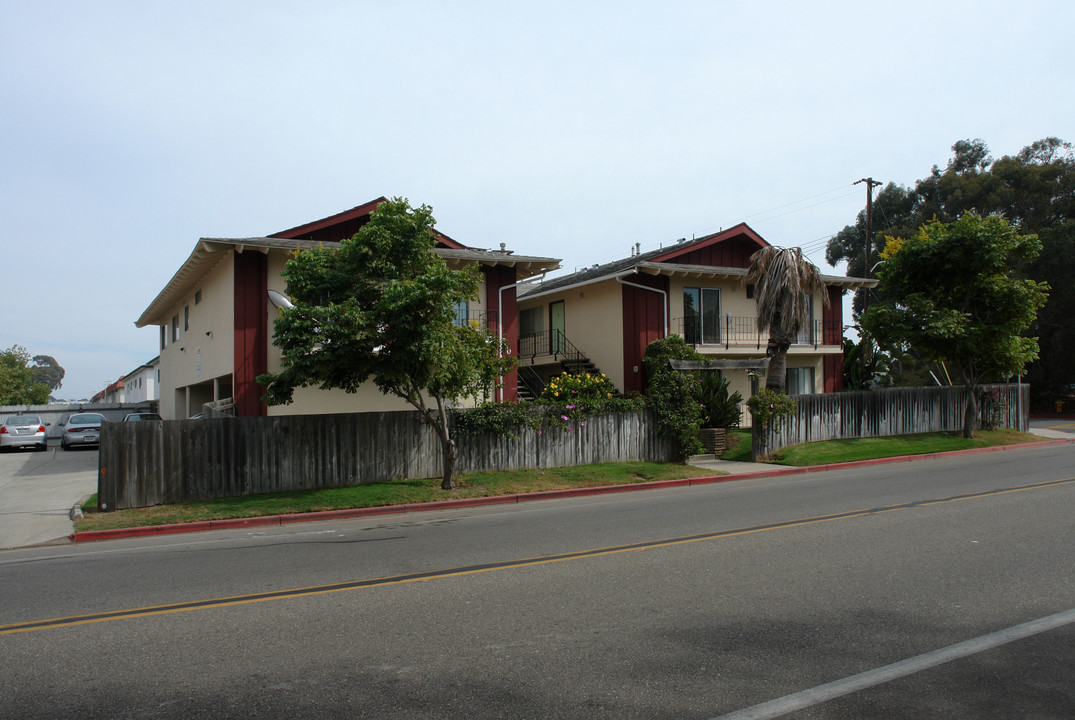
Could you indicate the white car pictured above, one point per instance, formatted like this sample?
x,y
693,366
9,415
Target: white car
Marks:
x,y
23,431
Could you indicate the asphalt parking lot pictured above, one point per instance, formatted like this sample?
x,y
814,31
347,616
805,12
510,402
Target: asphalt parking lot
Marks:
x,y
38,490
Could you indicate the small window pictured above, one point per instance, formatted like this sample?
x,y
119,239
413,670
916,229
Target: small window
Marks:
x,y
175,328
164,336
750,291
197,296
186,318
800,381
461,313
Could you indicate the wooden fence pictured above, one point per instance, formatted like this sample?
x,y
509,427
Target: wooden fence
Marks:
x,y
894,411
144,464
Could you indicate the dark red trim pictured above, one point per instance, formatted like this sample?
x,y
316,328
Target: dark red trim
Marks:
x,y
317,229
251,332
508,319
643,322
727,248
832,333
345,224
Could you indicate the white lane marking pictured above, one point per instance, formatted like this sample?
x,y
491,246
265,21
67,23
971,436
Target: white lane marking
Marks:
x,y
870,678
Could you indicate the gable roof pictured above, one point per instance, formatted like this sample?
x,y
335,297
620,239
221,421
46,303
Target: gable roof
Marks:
x,y
659,262
210,251
345,224
599,273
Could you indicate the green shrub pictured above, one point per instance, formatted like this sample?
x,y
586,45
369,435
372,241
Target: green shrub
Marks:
x,y
719,408
569,388
672,395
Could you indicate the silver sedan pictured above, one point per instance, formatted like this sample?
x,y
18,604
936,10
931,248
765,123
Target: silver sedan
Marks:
x,y
23,431
82,430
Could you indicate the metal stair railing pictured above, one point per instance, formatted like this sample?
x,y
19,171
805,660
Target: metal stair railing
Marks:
x,y
531,380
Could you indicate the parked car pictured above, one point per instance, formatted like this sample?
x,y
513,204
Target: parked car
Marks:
x,y
81,430
137,417
24,431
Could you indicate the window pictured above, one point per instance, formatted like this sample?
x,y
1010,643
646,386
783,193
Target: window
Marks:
x,y
701,316
531,321
175,328
186,318
461,313
197,296
750,291
800,381
164,336
806,332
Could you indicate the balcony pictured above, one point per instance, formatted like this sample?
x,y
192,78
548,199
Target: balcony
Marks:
x,y
484,319
742,332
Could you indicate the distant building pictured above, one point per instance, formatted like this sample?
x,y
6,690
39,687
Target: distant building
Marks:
x,y
143,383
111,395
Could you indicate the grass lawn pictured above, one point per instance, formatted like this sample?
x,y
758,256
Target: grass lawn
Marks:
x,y
838,451
512,482
402,492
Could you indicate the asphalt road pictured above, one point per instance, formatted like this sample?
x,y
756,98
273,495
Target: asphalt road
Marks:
x,y
932,588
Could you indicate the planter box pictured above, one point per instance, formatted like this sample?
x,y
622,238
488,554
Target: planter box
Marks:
x,y
714,440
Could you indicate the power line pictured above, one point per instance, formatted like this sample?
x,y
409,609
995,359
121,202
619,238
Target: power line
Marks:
x,y
796,202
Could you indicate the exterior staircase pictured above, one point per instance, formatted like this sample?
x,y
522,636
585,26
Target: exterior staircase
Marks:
x,y
570,359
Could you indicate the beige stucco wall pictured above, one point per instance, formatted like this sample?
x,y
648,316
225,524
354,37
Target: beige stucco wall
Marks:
x,y
204,351
313,400
593,322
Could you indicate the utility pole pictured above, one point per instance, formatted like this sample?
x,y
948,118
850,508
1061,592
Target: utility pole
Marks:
x,y
870,185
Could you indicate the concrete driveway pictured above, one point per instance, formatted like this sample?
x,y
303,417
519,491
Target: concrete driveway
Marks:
x,y
1058,427
37,491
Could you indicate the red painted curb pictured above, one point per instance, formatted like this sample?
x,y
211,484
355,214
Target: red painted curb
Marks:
x,y
231,523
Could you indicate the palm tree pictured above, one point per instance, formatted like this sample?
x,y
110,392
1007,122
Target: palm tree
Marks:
x,y
784,281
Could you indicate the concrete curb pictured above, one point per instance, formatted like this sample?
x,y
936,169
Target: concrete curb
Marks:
x,y
270,520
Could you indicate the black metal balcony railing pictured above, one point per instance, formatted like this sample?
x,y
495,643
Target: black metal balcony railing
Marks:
x,y
549,342
743,332
481,319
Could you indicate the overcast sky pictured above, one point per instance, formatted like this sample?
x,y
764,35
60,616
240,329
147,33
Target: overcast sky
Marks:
x,y
571,130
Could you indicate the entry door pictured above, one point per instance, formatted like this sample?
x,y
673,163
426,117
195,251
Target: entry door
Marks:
x,y
556,325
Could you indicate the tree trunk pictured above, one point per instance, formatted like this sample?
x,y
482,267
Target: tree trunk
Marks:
x,y
970,413
449,464
777,350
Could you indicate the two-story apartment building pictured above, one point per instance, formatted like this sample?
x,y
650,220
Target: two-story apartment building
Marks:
x,y
216,318
143,383
602,318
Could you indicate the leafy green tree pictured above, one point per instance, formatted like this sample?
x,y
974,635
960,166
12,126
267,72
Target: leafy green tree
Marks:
x,y
867,366
950,292
784,282
47,371
672,394
382,307
1035,191
17,384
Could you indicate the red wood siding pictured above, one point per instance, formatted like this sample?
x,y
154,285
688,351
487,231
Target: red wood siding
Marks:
x,y
508,316
251,332
643,322
342,226
833,334
734,252
727,248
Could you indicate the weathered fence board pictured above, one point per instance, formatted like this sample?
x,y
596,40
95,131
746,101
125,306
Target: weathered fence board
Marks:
x,y
177,460
893,411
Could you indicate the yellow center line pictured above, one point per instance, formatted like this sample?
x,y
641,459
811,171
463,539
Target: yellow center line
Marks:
x,y
206,604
